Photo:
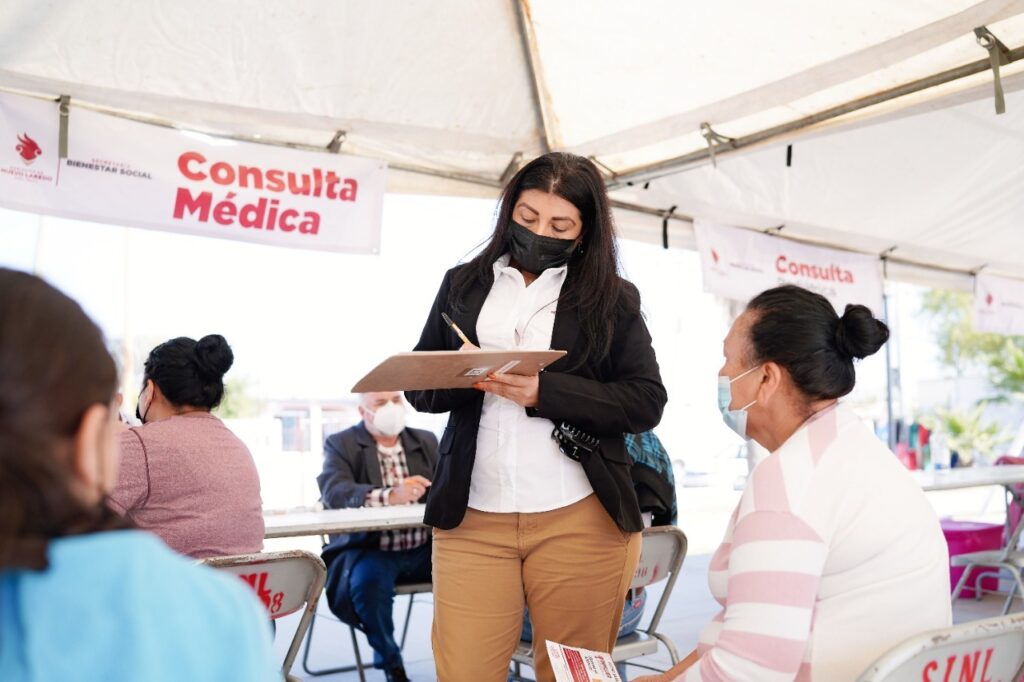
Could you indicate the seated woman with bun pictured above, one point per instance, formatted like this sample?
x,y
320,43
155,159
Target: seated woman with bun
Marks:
x,y
833,555
82,595
184,475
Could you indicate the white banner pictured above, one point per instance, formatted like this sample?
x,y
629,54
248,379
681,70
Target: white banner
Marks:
x,y
128,173
739,264
998,304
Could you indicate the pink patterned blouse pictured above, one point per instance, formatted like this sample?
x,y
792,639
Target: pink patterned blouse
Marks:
x,y
191,481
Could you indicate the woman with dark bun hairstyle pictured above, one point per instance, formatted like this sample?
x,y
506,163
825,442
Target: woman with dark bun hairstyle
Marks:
x,y
833,554
83,595
184,475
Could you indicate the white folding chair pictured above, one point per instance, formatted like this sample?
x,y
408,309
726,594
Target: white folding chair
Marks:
x,y
661,558
411,589
986,650
1009,558
285,582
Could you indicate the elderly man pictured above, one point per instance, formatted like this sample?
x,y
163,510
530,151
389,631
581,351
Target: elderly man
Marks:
x,y
378,462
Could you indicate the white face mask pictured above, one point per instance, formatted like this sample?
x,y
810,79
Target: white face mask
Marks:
x,y
734,419
389,420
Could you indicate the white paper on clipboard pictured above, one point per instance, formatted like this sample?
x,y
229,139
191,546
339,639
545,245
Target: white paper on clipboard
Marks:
x,y
571,664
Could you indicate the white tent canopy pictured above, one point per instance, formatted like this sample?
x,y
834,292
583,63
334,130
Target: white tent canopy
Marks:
x,y
942,188
453,95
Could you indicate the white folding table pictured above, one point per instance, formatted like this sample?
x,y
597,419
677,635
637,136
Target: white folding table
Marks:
x,y
970,477
331,521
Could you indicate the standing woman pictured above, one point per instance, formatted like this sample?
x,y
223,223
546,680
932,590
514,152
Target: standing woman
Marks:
x,y
517,523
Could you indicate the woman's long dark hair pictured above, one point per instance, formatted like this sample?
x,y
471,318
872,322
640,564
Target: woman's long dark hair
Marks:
x,y
53,367
593,286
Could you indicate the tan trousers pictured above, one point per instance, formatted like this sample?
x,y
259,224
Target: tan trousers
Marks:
x,y
572,566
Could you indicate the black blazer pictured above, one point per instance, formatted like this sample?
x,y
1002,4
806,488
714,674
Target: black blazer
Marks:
x,y
352,469
621,393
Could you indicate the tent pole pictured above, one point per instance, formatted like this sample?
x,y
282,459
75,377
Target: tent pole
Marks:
x,y
549,137
674,165
888,377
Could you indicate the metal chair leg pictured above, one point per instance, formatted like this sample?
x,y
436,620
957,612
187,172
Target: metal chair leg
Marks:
x,y
359,667
1009,598
325,671
960,583
405,627
359,657
517,672
305,654
977,584
673,653
1017,583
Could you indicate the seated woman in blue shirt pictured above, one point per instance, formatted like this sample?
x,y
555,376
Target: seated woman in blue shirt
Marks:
x,y
82,596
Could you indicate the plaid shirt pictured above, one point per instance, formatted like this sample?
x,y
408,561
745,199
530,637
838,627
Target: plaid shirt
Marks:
x,y
393,470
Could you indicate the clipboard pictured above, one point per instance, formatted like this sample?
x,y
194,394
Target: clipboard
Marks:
x,y
425,370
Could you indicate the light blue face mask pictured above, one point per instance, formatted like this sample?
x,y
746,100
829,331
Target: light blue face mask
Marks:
x,y
734,419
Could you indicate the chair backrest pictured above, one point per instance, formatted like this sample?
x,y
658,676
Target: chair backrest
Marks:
x,y
661,558
984,650
284,581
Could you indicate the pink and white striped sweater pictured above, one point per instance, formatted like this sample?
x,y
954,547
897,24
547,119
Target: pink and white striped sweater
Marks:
x,y
832,556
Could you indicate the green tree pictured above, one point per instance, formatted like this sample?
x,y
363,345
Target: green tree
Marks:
x,y
238,402
962,347
969,432
951,314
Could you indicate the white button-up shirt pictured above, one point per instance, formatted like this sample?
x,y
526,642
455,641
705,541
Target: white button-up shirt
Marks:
x,y
518,466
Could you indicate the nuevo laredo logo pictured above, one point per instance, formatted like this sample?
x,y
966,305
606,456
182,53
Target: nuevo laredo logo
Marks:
x,y
28,149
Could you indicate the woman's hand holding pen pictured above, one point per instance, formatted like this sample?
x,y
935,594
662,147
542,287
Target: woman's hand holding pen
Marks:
x,y
524,391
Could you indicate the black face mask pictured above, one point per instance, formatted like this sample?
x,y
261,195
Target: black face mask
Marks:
x,y
535,253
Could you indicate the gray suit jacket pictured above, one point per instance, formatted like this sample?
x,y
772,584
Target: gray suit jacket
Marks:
x,y
352,469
